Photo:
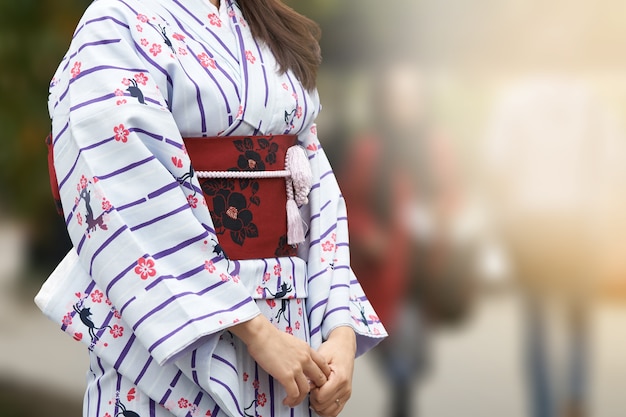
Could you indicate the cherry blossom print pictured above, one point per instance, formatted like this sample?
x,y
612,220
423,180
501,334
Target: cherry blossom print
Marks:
x,y
182,51
117,314
67,319
206,61
145,268
245,377
82,183
142,18
271,303
297,325
289,330
179,37
119,92
156,49
121,133
183,403
277,269
313,130
117,331
141,78
231,13
299,112
285,86
260,290
192,200
108,302
261,399
242,22
235,278
266,277
328,246
131,394
79,219
256,384
144,42
97,296
224,277
75,69
121,102
300,311
250,57
126,81
106,204
209,266
215,20
240,111
178,163
139,28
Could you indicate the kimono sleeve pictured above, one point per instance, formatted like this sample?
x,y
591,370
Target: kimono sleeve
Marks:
x,y
136,217
335,295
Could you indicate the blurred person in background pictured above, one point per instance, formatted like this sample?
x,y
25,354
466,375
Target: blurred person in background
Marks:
x,y
401,186
548,159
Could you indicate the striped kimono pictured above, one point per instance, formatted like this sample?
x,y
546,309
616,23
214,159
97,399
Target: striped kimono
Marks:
x,y
146,288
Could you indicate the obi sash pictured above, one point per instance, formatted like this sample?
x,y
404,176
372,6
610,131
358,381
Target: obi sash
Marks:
x,y
252,187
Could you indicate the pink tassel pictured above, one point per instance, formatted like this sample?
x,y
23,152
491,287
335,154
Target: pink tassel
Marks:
x,y
295,224
299,185
301,175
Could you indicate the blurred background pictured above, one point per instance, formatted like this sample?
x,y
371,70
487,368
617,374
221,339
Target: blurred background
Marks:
x,y
481,148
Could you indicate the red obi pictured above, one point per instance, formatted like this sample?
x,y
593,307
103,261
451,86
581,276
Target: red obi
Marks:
x,y
243,182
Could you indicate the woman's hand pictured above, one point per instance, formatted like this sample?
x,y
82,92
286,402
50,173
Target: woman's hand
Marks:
x,y
339,350
291,361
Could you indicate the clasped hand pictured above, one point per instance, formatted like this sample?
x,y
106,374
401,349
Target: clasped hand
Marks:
x,y
326,373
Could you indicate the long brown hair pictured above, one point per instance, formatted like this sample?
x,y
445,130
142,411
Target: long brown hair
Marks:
x,y
292,37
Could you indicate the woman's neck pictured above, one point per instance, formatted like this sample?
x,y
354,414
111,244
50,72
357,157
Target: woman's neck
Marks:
x,y
215,3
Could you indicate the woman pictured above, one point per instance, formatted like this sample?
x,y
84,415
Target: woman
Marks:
x,y
173,325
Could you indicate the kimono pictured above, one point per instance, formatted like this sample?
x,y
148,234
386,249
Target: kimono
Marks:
x,y
145,287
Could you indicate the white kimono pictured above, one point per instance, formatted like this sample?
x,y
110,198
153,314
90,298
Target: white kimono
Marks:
x,y
145,287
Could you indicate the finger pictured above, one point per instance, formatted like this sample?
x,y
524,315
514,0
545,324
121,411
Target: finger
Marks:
x,y
293,392
317,370
303,387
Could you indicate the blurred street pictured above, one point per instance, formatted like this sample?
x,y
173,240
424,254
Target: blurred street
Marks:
x,y
475,371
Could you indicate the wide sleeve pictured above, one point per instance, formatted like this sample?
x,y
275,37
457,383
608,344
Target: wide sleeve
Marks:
x,y
134,213
335,295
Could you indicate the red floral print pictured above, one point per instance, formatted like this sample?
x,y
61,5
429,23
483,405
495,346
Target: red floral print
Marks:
x,y
142,17
119,92
271,302
250,57
245,377
182,51
208,265
206,61
144,42
179,37
145,268
256,384
106,204
79,219
289,330
121,133
75,69
192,200
285,86
82,183
215,20
156,49
139,28
183,403
224,277
67,319
328,246
299,112
266,277
117,331
277,269
261,399
297,325
141,78
97,296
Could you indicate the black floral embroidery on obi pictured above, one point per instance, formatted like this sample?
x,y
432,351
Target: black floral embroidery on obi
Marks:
x,y
231,209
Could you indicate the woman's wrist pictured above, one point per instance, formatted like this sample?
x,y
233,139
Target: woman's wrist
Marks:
x,y
252,330
344,335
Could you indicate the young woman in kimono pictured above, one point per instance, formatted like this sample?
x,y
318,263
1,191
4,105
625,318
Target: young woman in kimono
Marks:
x,y
175,324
